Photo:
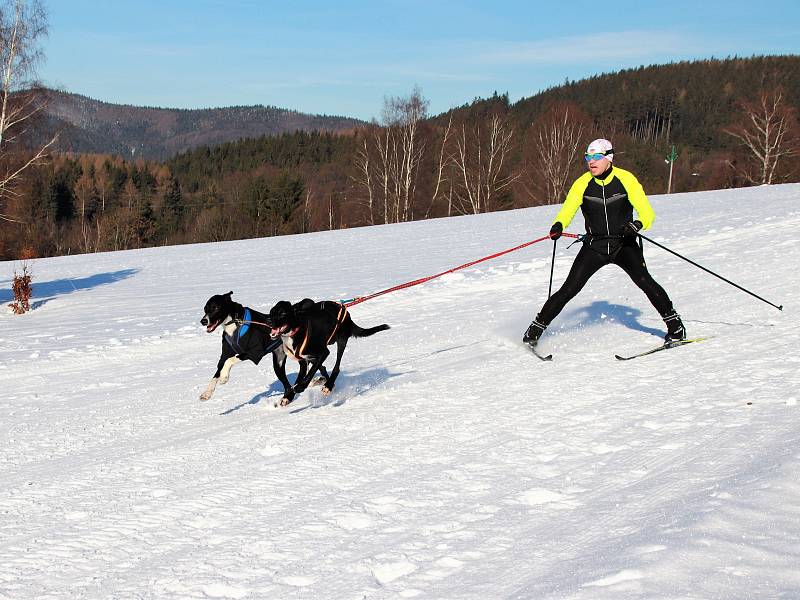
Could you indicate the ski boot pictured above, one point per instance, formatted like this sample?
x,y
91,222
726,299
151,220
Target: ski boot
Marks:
x,y
676,332
534,332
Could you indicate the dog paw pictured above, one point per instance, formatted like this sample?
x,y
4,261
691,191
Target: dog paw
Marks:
x,y
205,396
285,401
326,391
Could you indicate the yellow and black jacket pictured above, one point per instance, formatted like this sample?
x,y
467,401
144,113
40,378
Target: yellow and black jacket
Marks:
x,y
607,203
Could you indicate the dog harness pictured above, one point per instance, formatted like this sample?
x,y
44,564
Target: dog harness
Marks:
x,y
340,317
254,343
296,354
239,333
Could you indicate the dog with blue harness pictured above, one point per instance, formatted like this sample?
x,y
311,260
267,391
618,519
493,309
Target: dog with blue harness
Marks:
x,y
245,336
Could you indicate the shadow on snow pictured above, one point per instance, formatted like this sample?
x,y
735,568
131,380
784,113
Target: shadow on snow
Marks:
x,y
49,290
347,387
600,311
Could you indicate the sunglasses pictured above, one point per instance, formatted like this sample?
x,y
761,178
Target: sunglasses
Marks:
x,y
596,155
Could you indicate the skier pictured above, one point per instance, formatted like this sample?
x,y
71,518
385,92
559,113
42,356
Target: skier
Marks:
x,y
607,196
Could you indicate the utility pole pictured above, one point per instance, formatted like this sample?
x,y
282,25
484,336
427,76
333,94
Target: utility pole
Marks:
x,y
671,160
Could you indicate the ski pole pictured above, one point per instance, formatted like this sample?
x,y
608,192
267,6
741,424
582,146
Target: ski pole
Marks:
x,y
710,271
552,267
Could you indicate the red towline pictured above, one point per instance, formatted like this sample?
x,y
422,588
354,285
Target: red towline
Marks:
x,y
360,299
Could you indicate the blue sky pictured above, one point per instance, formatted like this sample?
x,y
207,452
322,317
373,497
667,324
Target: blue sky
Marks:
x,y
344,57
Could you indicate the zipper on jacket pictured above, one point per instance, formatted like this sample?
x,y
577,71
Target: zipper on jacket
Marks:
x,y
608,227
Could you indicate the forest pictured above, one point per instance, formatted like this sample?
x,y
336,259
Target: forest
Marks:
x,y
680,127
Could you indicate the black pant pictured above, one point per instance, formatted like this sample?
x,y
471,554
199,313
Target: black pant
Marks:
x,y
629,257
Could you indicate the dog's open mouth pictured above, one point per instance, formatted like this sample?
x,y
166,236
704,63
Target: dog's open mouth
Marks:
x,y
212,326
277,331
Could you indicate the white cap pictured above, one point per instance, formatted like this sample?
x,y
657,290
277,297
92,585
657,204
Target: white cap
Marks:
x,y
602,146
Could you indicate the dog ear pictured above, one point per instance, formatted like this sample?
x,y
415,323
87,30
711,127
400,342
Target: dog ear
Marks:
x,y
229,294
287,308
304,305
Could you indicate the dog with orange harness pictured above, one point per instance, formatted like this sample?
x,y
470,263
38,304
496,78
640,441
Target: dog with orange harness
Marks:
x,y
307,329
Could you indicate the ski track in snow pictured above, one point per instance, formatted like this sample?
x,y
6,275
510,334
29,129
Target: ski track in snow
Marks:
x,y
448,462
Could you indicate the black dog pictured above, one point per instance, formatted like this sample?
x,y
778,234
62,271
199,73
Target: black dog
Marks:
x,y
307,329
245,337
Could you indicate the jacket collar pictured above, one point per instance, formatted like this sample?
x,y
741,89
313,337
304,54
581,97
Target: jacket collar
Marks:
x,y
606,176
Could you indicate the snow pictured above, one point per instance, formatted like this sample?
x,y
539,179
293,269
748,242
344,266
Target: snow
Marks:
x,y
448,462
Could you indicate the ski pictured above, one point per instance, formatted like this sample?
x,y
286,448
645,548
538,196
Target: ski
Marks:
x,y
543,357
664,346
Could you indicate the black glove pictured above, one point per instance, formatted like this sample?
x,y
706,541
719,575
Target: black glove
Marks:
x,y
631,229
556,230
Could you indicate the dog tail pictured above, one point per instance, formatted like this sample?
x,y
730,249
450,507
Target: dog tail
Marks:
x,y
360,332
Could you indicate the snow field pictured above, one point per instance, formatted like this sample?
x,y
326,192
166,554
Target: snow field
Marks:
x,y
448,462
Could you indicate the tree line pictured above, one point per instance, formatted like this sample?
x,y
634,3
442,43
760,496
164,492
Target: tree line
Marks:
x,y
733,123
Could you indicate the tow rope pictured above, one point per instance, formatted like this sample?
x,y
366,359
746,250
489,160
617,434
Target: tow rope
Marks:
x,y
360,299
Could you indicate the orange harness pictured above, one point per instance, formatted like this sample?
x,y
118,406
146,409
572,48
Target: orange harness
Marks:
x,y
299,352
339,319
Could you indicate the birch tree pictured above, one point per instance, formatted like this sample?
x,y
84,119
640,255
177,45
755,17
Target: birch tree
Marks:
x,y
364,177
768,130
405,147
388,160
480,159
22,25
552,152
443,165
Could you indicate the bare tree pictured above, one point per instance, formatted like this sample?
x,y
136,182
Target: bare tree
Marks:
x,y
388,160
402,117
480,162
552,151
384,141
445,160
416,109
22,24
364,177
374,173
768,129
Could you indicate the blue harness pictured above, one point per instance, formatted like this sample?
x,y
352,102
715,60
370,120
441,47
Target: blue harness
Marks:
x,y
240,332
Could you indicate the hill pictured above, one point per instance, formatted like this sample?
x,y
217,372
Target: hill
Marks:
x,y
448,462
92,126
303,181
646,110
688,102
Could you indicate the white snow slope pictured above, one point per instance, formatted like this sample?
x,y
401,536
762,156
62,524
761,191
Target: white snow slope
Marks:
x,y
449,462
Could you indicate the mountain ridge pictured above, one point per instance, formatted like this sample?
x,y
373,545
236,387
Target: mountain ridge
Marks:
x,y
88,125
